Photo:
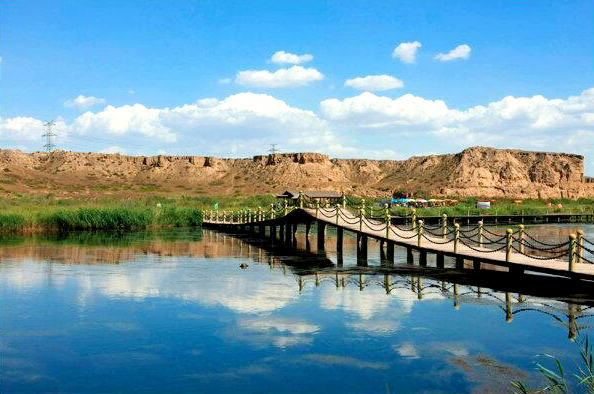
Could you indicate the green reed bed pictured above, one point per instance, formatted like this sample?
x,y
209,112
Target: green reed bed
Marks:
x,y
35,216
95,219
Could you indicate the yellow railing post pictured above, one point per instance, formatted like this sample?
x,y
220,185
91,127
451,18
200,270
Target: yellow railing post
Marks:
x,y
580,246
343,201
521,237
414,219
456,236
444,225
361,215
388,224
480,233
272,213
508,244
337,214
420,232
300,199
572,243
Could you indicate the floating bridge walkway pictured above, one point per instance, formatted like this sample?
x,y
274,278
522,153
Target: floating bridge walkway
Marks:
x,y
515,249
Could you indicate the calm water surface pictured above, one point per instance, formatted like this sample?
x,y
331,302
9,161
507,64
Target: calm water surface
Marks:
x,y
173,312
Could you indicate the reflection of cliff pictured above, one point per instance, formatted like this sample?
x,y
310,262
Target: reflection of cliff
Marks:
x,y
213,246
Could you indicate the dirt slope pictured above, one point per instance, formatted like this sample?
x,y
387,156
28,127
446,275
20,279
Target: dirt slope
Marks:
x,y
476,171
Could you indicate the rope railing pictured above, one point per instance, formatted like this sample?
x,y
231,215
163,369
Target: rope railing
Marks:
x,y
379,220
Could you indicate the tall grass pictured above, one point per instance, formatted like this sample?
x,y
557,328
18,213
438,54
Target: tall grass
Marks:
x,y
11,223
94,219
179,217
133,216
558,380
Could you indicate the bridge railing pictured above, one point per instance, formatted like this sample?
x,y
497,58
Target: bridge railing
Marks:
x,y
478,238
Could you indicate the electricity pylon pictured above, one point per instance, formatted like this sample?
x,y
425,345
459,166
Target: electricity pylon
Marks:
x,y
49,146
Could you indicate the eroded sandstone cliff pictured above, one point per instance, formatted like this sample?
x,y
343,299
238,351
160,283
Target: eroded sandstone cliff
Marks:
x,y
476,171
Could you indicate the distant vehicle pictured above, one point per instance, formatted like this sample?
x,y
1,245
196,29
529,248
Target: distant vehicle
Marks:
x,y
483,204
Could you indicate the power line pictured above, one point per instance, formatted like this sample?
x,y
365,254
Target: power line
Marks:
x,y
49,146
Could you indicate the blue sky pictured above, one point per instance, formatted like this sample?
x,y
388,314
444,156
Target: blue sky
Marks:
x,y
522,76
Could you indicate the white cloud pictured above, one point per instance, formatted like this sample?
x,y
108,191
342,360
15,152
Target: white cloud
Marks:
x,y
208,102
374,83
370,111
281,78
21,127
511,116
125,120
114,149
26,128
225,81
83,102
460,52
290,58
407,51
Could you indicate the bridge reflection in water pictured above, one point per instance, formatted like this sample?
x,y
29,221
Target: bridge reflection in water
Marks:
x,y
567,302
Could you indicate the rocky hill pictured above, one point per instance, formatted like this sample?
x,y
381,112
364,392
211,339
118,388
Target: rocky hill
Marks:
x,y
477,171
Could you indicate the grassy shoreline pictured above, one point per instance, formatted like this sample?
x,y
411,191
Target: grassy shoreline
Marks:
x,y
33,214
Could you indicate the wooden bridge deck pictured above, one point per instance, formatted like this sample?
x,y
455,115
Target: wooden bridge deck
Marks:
x,y
517,262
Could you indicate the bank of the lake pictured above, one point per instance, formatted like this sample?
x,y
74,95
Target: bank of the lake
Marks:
x,y
22,213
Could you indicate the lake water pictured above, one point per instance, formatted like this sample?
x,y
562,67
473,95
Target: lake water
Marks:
x,y
174,312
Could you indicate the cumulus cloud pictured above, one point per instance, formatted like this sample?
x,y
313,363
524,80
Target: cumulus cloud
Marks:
x,y
509,116
240,124
281,78
375,83
125,120
83,102
368,110
281,57
460,52
28,129
407,51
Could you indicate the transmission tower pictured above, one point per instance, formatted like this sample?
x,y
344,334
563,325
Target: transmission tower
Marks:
x,y
273,149
49,146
